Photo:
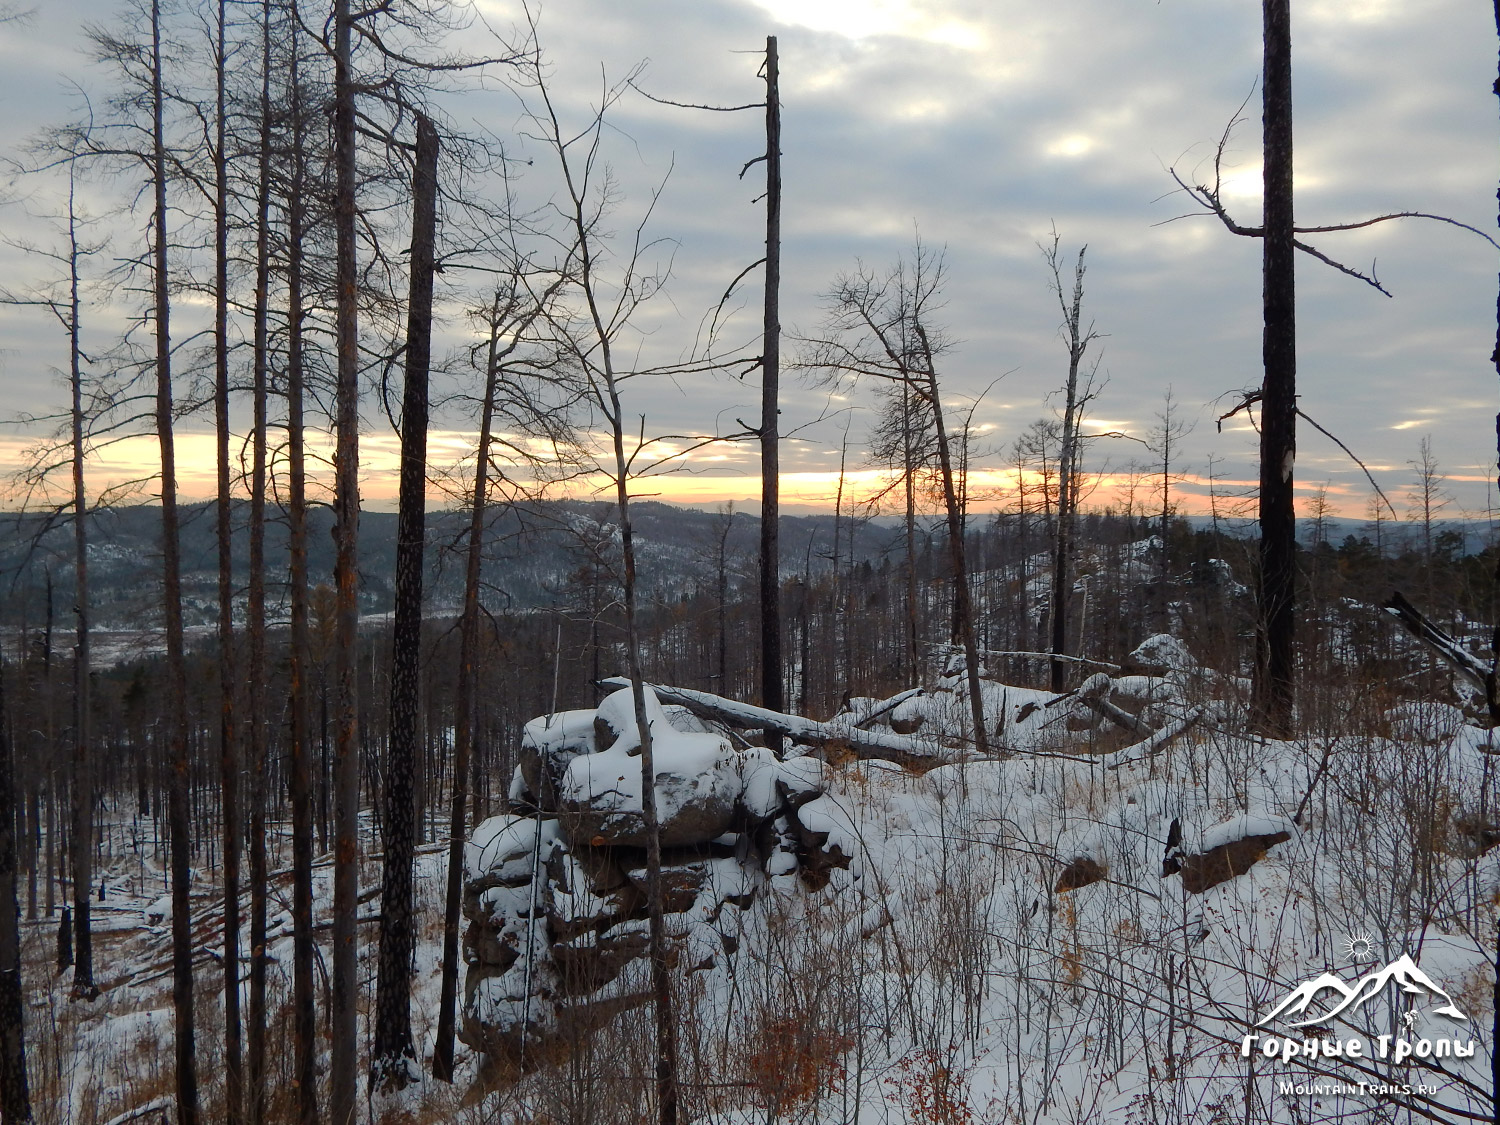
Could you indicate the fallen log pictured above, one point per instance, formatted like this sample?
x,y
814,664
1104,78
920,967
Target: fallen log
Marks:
x,y
1093,693
1155,742
888,706
1465,663
841,730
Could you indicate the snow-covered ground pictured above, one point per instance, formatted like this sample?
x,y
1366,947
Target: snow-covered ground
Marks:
x,y
1003,944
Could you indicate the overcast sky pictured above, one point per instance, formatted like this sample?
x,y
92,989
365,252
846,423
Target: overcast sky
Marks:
x,y
985,124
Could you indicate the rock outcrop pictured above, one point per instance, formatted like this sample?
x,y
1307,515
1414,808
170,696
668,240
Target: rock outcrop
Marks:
x,y
556,895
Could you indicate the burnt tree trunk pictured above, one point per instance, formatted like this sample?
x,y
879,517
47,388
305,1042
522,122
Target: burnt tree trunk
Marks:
x,y
393,1059
255,609
178,813
1492,682
229,750
299,771
1078,340
15,1100
1274,687
83,774
963,608
344,985
770,422
463,707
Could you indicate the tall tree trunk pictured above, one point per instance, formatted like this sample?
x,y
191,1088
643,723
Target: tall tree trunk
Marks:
x,y
909,485
255,609
463,707
229,750
178,814
1492,682
15,1099
83,776
770,411
962,604
1067,469
1274,687
393,1062
661,981
344,1000
299,773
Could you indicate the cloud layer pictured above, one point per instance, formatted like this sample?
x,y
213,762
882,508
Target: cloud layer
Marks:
x,y
984,125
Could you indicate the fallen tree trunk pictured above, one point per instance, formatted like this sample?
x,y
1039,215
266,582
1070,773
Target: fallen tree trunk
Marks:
x,y
1155,742
888,706
903,750
1465,663
1093,693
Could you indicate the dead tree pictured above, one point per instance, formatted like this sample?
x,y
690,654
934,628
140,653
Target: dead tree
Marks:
x,y
1274,686
344,992
15,1099
299,768
590,339
464,697
255,609
177,721
509,321
393,1062
883,328
1075,399
1273,691
770,412
229,734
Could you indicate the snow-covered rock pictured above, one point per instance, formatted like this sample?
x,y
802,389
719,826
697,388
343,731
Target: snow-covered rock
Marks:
x,y
557,903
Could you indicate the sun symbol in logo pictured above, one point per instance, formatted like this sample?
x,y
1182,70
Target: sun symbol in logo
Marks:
x,y
1359,947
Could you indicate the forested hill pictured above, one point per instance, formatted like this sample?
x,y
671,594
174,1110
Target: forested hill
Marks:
x,y
536,554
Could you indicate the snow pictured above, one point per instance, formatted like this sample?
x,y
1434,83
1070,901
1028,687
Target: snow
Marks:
x,y
943,948
690,768
1243,827
561,731
502,847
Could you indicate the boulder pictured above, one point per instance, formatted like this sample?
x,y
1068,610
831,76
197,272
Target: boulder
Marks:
x,y
681,884
1224,861
1080,873
698,783
591,960
1158,655
548,744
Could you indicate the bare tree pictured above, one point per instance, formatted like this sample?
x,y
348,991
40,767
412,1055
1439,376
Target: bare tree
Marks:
x,y
1076,397
770,412
884,328
344,998
608,292
902,439
299,768
15,1099
393,1063
255,609
177,721
229,733
1273,694
1164,441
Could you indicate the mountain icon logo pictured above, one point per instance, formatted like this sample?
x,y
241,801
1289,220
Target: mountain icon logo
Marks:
x,y
1403,971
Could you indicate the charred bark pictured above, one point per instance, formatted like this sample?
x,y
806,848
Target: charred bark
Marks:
x,y
15,1098
344,985
178,817
393,1059
1274,691
770,421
